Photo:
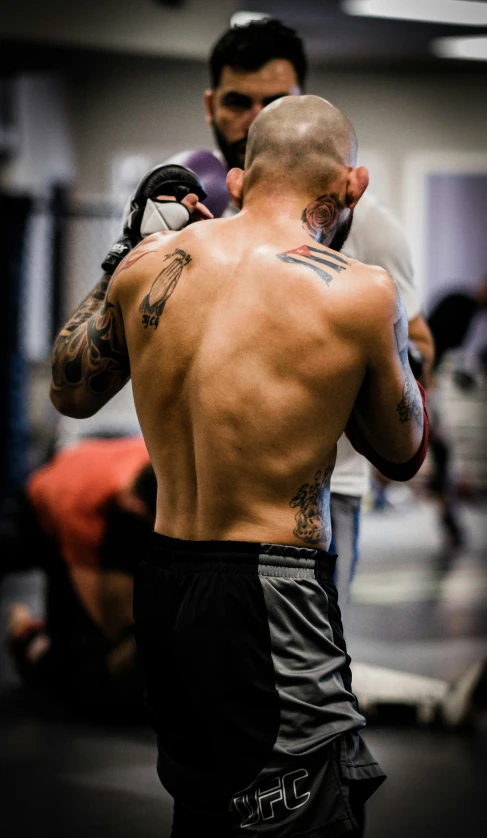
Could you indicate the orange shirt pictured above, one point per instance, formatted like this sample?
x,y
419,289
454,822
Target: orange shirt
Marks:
x,y
70,492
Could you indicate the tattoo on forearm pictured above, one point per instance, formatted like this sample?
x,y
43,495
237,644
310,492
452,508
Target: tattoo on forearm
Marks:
x,y
411,405
315,256
320,218
86,350
313,503
164,284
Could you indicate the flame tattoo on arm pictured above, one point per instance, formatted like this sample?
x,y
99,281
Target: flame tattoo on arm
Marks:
x,y
87,354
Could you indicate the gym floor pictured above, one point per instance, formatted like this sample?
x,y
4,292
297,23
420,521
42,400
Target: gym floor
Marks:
x,y
415,609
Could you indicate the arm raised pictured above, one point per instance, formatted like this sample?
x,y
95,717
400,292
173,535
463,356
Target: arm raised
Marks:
x,y
389,423
90,362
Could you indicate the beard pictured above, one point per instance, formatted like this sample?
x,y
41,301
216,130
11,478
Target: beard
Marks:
x,y
341,233
233,153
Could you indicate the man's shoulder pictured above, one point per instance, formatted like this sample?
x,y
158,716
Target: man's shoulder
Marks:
x,y
368,297
141,259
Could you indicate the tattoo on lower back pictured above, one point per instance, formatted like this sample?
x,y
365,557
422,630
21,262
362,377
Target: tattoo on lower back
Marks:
x,y
313,504
320,218
315,257
411,405
164,284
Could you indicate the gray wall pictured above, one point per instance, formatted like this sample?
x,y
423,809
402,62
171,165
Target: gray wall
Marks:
x,y
135,106
456,203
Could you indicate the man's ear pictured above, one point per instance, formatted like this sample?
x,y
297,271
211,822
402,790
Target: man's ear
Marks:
x,y
235,180
208,96
358,180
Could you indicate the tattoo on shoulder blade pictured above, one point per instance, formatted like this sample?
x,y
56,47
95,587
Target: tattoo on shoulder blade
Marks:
x,y
411,405
321,217
164,284
316,257
313,503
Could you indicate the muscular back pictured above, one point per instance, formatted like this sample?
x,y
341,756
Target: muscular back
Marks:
x,y
248,347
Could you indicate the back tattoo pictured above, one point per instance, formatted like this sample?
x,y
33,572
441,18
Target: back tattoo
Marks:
x,y
315,256
164,284
313,503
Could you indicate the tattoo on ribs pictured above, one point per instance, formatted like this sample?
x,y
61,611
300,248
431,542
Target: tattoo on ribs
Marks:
x,y
164,284
320,218
313,503
411,405
316,257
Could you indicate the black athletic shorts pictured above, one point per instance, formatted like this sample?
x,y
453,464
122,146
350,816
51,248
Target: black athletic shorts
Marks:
x,y
248,687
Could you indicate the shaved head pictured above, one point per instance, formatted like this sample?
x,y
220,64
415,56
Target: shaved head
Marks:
x,y
301,141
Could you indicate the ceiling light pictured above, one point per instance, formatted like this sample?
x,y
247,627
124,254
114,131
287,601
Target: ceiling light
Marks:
x,y
243,18
474,48
463,12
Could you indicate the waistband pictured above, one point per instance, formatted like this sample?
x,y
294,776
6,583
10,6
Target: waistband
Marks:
x,y
164,549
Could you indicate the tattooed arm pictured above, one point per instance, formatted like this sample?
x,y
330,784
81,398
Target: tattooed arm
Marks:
x,y
90,362
389,423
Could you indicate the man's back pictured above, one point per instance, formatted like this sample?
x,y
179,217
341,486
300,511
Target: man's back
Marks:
x,y
250,343
245,381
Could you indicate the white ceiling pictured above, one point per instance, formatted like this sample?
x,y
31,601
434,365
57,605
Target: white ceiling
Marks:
x,y
188,28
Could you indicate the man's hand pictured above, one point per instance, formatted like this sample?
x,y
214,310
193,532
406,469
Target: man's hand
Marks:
x,y
197,210
165,199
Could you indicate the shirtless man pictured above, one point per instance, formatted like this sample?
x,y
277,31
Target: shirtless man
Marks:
x,y
252,346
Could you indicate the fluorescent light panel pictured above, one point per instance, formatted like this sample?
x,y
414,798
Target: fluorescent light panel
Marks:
x,y
243,18
463,12
471,48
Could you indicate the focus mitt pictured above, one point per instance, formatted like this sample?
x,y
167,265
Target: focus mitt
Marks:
x,y
146,214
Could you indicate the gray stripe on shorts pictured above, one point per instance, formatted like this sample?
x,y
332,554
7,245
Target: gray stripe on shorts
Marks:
x,y
307,662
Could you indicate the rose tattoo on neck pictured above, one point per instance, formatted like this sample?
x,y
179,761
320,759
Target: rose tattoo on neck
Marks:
x,y
320,218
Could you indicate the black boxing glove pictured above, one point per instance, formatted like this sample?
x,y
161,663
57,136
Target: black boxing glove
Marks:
x,y
416,359
147,215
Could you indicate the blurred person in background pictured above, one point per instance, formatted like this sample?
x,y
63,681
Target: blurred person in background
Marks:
x,y
450,322
82,518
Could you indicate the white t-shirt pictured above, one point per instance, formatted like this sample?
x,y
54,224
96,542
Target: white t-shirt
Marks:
x,y
376,238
